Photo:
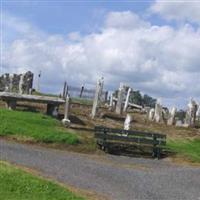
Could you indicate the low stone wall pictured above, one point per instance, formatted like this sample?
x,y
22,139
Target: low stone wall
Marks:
x,y
18,83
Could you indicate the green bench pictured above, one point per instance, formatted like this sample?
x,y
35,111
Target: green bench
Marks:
x,y
147,142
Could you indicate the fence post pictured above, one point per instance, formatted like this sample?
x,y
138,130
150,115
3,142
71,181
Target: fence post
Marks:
x,y
64,90
155,153
82,89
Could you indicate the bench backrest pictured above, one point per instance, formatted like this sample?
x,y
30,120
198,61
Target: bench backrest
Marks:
x,y
119,135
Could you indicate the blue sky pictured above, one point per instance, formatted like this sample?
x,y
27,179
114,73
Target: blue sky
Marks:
x,y
62,17
150,45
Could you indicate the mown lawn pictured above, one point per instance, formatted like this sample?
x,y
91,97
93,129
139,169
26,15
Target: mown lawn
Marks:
x,y
190,149
16,184
34,127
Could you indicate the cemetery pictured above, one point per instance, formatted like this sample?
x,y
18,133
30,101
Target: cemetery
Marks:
x,y
100,100
108,120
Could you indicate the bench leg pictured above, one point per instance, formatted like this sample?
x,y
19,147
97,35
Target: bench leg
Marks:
x,y
156,152
11,105
52,110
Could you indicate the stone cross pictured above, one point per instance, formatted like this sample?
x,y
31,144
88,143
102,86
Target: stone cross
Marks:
x,y
99,89
120,99
171,120
66,120
127,99
158,117
127,122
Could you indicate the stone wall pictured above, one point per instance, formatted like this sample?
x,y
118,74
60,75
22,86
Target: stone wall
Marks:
x,y
18,83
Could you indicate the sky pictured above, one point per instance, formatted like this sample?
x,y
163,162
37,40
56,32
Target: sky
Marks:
x,y
152,46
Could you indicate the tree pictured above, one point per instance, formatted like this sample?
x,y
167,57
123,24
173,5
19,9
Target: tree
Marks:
x,y
136,97
149,101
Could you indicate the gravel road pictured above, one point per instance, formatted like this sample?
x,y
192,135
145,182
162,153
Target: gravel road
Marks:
x,y
117,177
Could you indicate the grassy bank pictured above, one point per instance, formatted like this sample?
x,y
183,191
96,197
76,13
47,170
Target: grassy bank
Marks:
x,y
34,127
16,184
190,149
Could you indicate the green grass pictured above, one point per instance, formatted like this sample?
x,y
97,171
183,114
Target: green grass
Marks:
x,y
34,127
16,184
82,101
44,94
74,99
187,148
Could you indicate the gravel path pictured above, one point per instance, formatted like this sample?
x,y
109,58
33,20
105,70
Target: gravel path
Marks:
x,y
118,177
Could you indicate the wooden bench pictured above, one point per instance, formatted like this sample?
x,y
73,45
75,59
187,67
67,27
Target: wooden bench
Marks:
x,y
12,98
109,138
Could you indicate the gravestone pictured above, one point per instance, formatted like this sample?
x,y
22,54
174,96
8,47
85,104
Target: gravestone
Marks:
x,y
127,122
171,120
191,113
99,89
21,82
127,99
151,114
158,116
120,98
111,102
198,114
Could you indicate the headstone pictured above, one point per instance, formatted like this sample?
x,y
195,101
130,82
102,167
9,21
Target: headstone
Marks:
x,y
127,122
66,121
21,82
11,83
106,96
198,114
191,113
165,114
120,99
171,120
99,89
151,114
111,102
127,99
158,116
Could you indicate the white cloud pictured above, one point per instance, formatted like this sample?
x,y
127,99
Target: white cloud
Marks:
x,y
124,20
178,10
158,60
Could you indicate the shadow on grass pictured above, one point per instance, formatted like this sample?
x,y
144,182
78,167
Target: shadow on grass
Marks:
x,y
27,108
82,129
113,117
74,119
